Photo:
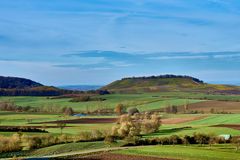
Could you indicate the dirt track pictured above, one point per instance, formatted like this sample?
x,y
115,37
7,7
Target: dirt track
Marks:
x,y
233,126
111,156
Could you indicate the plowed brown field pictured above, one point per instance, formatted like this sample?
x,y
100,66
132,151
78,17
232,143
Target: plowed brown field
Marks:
x,y
112,156
86,121
218,106
181,120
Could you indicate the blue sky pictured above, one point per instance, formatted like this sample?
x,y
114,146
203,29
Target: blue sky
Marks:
x,y
59,42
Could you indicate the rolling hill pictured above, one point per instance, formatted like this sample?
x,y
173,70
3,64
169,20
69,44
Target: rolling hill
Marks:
x,y
167,83
17,83
14,86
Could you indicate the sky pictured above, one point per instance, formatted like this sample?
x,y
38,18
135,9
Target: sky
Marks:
x,y
69,42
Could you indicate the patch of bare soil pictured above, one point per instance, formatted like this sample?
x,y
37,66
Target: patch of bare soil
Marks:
x,y
181,120
112,156
233,126
86,121
218,106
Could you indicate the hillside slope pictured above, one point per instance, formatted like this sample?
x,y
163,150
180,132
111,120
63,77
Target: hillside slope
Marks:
x,y
14,86
167,83
17,83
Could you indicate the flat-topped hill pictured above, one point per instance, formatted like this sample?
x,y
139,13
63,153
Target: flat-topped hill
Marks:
x,y
166,83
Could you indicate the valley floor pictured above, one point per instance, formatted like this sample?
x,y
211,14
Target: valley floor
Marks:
x,y
181,124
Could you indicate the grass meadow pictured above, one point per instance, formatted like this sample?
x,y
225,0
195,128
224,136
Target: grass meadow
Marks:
x,y
144,102
216,152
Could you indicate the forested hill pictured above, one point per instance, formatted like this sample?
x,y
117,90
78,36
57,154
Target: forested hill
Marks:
x,y
167,83
14,86
17,83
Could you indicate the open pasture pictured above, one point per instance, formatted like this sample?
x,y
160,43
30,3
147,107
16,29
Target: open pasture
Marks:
x,y
172,124
216,152
35,120
214,119
200,123
12,118
144,102
215,106
180,124
182,130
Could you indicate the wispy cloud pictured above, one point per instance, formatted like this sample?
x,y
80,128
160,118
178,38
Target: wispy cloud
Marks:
x,y
194,55
227,55
121,64
178,57
100,38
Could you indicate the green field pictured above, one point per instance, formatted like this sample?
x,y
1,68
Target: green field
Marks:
x,y
200,126
144,102
217,152
163,103
62,148
218,119
167,130
21,119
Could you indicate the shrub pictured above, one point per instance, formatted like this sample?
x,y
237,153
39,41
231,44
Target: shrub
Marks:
x,y
109,139
201,138
236,141
133,111
9,144
132,140
96,134
86,98
85,136
135,125
164,141
81,99
188,140
174,139
68,111
120,109
32,142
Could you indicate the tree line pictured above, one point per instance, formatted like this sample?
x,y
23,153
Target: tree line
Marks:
x,y
166,76
11,106
46,91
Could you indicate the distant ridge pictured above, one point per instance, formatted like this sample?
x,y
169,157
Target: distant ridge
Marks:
x,y
15,86
17,83
168,83
80,87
